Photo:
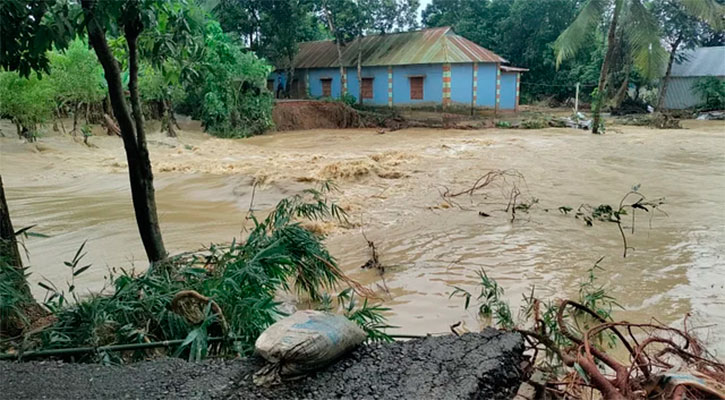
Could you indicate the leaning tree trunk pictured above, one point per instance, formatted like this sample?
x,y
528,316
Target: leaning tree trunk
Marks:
x,y
9,245
622,91
134,139
666,79
611,41
167,118
76,109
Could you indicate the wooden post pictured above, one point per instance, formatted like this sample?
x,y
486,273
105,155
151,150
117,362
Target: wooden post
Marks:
x,y
576,99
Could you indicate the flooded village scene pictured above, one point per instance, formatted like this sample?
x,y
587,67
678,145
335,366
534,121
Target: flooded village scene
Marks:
x,y
362,199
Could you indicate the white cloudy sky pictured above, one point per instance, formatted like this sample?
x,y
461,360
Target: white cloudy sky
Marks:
x,y
423,5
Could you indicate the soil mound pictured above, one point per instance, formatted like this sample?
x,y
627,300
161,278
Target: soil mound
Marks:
x,y
292,115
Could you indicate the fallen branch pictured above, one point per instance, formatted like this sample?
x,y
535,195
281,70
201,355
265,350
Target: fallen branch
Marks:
x,y
111,126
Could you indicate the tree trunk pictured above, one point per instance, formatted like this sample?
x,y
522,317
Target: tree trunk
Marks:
x,y
167,119
611,41
88,107
9,244
666,79
622,91
134,140
75,118
18,128
331,25
359,69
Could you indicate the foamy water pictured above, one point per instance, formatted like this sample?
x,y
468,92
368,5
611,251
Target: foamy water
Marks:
x,y
391,186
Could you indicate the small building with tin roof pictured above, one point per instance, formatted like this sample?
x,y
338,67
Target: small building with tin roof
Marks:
x,y
426,67
694,65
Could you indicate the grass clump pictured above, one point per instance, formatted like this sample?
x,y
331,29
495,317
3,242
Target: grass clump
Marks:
x,y
223,291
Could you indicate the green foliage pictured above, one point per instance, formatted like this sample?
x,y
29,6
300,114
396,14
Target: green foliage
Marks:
x,y
711,90
13,299
242,279
233,95
76,75
156,85
540,316
490,301
28,102
348,99
29,29
523,32
369,317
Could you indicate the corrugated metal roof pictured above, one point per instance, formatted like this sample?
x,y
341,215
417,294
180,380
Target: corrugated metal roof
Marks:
x,y
704,61
427,46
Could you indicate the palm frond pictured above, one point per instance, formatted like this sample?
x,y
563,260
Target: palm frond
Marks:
x,y
576,35
709,11
643,35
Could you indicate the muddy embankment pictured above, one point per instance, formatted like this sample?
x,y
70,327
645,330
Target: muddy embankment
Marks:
x,y
474,366
290,115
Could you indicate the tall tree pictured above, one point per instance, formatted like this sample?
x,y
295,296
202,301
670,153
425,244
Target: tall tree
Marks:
x,y
639,27
350,20
682,31
77,78
332,12
129,17
243,17
9,251
280,39
35,27
174,48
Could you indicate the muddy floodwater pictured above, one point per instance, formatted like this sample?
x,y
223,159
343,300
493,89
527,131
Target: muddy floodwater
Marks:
x,y
391,185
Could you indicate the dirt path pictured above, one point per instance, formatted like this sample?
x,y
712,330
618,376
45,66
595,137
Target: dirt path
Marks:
x,y
473,366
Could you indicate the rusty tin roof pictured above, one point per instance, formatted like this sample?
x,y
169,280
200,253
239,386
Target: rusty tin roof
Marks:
x,y
427,46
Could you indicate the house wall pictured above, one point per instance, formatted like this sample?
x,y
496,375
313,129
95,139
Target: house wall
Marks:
x,y
380,84
486,95
316,84
432,83
508,91
462,84
681,93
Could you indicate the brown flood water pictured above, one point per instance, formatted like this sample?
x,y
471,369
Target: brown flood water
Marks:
x,y
391,184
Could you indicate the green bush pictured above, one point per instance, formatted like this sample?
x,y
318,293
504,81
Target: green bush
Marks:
x,y
76,76
27,102
712,92
242,279
233,96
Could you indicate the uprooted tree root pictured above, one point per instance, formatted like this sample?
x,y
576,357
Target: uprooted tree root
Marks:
x,y
664,362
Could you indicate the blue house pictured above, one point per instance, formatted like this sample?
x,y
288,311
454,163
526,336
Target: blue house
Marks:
x,y
427,67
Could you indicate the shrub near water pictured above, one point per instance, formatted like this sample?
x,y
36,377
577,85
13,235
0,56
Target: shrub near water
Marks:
x,y
240,280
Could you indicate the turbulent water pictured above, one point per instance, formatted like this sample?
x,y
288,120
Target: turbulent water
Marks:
x,y
392,187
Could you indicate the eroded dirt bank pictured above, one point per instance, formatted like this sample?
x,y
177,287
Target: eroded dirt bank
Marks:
x,y
391,185
473,366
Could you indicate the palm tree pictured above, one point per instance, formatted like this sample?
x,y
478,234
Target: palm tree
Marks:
x,y
639,28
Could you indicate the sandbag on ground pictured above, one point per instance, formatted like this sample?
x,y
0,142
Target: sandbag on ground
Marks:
x,y
303,342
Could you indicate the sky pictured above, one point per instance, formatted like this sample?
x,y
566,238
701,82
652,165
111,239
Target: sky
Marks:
x,y
423,5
